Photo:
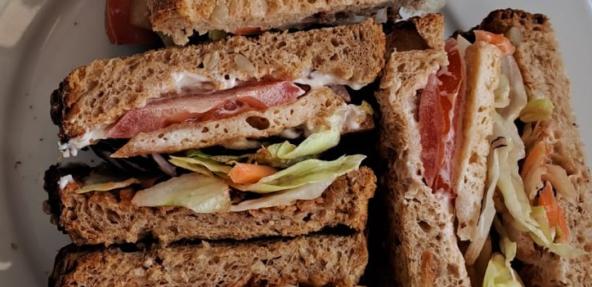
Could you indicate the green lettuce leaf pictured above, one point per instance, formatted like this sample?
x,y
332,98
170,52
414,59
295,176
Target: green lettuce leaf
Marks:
x,y
200,193
285,154
304,172
499,270
226,159
201,165
537,110
106,185
498,274
284,197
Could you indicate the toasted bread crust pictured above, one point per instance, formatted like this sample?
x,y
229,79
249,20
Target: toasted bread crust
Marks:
x,y
97,95
424,250
315,260
179,19
110,217
431,28
544,75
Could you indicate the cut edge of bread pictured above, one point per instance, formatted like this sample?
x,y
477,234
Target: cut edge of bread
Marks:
x,y
318,260
423,243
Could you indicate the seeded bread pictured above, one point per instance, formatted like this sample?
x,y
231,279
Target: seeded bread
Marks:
x,y
179,19
97,95
110,217
309,110
544,75
422,242
315,260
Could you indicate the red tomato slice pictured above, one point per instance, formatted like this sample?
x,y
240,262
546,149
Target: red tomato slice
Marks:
x,y
440,119
202,107
118,26
432,124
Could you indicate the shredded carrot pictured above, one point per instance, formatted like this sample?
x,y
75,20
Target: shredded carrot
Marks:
x,y
246,173
554,212
498,40
547,200
536,157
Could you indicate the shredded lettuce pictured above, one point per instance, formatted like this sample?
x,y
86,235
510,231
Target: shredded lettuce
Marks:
x,y
502,92
540,215
304,172
105,184
488,211
200,193
499,272
518,96
285,154
286,197
518,205
537,110
226,159
201,165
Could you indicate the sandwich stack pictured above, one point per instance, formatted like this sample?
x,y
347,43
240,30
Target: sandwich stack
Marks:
x,y
225,162
222,164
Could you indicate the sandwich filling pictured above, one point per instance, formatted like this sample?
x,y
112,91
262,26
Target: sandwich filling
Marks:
x,y
522,183
243,174
161,113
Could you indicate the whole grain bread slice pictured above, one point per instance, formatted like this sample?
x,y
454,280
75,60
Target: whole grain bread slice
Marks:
x,y
110,217
314,260
421,240
97,95
179,19
538,57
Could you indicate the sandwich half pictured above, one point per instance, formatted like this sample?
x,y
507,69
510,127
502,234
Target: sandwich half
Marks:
x,y
555,164
314,260
235,139
179,20
477,176
225,92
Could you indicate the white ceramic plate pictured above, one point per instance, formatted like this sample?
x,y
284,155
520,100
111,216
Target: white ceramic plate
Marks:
x,y
42,40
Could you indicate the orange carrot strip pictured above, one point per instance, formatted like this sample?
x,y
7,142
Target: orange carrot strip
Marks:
x,y
498,40
246,173
536,157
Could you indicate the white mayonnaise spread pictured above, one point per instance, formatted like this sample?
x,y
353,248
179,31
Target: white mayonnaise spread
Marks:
x,y
65,180
72,147
419,8
317,79
185,82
